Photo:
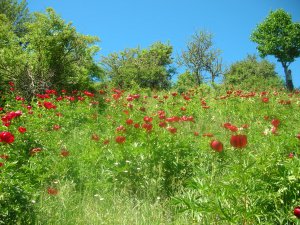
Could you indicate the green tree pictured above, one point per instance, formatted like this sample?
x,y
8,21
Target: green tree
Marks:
x,y
200,56
12,57
184,81
147,67
251,73
57,55
17,12
54,55
277,35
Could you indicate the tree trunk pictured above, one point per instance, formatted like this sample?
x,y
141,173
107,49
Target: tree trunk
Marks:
x,y
197,78
288,78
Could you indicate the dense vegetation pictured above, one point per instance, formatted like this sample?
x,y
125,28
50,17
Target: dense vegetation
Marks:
x,y
119,142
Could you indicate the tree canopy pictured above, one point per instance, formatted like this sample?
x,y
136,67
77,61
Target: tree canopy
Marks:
x,y
279,36
250,72
51,54
148,68
17,13
201,56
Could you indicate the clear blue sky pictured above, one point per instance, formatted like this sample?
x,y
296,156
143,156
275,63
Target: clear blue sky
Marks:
x,y
124,24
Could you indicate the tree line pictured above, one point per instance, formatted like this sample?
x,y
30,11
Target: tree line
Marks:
x,y
39,51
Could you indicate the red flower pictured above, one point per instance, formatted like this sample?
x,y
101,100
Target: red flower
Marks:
x,y
297,212
298,136
196,133
56,127
49,105
89,94
95,137
162,124
148,119
52,191
216,145
106,142
265,100
136,125
238,141
275,122
3,156
120,139
147,126
6,137
172,130
22,129
64,153
207,135
35,150
120,128
129,121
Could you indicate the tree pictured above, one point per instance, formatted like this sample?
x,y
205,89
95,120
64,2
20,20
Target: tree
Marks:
x,y
200,56
250,72
17,12
184,81
53,55
12,57
147,67
277,35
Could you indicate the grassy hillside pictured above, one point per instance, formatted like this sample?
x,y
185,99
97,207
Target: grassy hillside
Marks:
x,y
139,157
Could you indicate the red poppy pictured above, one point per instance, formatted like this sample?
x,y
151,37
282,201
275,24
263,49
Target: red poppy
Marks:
x,y
136,125
120,128
162,124
64,153
207,135
147,126
49,105
52,191
298,136
6,137
35,150
265,100
297,212
196,133
1,164
3,156
22,129
172,130
216,145
120,139
106,142
95,137
238,141
148,119
275,122
56,127
129,121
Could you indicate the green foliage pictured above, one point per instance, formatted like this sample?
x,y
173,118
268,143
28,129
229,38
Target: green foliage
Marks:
x,y
52,54
280,37
184,82
12,57
148,68
17,13
251,73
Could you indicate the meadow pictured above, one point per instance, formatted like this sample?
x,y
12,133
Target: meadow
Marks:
x,y
111,156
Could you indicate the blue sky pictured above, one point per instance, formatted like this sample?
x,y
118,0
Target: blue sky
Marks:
x,y
124,24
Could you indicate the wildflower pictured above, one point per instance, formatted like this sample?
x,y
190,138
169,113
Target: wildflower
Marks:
x,y
238,141
64,153
6,137
216,145
22,130
120,139
52,191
